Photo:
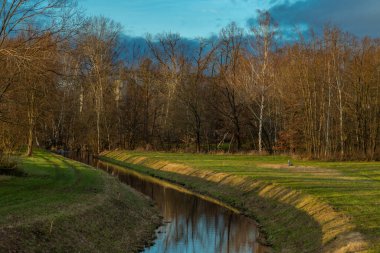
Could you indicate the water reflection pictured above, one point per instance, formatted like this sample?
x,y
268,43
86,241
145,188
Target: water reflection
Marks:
x,y
192,224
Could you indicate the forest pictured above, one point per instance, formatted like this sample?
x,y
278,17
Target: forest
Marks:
x,y
73,82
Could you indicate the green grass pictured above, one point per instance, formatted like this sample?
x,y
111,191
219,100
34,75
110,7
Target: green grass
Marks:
x,y
352,188
356,191
62,205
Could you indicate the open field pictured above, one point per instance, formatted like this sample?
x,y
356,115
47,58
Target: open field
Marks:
x,y
344,192
61,205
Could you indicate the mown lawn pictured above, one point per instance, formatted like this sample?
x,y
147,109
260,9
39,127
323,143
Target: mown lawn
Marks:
x,y
350,187
62,205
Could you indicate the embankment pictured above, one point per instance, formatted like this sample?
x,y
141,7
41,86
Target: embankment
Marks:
x,y
292,221
60,205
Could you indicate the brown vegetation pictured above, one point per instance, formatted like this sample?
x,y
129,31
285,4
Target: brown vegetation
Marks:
x,y
70,85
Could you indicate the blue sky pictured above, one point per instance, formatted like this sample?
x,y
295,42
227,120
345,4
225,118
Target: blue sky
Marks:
x,y
203,18
190,18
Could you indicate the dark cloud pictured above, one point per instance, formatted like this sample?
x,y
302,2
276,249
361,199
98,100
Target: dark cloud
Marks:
x,y
361,17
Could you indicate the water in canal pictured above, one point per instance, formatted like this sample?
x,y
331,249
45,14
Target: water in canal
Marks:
x,y
192,223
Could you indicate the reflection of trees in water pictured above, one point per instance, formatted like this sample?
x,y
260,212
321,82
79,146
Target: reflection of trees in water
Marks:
x,y
200,226
195,224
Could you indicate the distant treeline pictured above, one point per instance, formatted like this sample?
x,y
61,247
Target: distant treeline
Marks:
x,y
64,85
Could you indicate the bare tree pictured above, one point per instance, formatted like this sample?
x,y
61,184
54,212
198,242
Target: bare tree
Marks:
x,y
99,48
230,54
193,88
260,75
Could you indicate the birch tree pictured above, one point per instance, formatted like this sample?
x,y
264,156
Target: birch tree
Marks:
x,y
260,71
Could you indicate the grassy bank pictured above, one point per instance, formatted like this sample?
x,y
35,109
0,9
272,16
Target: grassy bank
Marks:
x,y
310,207
61,205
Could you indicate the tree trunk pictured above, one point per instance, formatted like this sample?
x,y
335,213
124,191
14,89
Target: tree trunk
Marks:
x,y
261,123
98,131
327,148
29,151
341,123
31,119
198,142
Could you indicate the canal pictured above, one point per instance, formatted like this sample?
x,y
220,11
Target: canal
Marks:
x,y
193,223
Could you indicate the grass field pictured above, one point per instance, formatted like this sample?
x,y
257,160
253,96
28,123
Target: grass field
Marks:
x,y
351,188
61,205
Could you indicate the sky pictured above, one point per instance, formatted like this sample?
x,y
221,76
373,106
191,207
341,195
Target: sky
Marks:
x,y
204,18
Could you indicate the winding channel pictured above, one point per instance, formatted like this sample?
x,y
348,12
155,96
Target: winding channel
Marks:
x,y
193,223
